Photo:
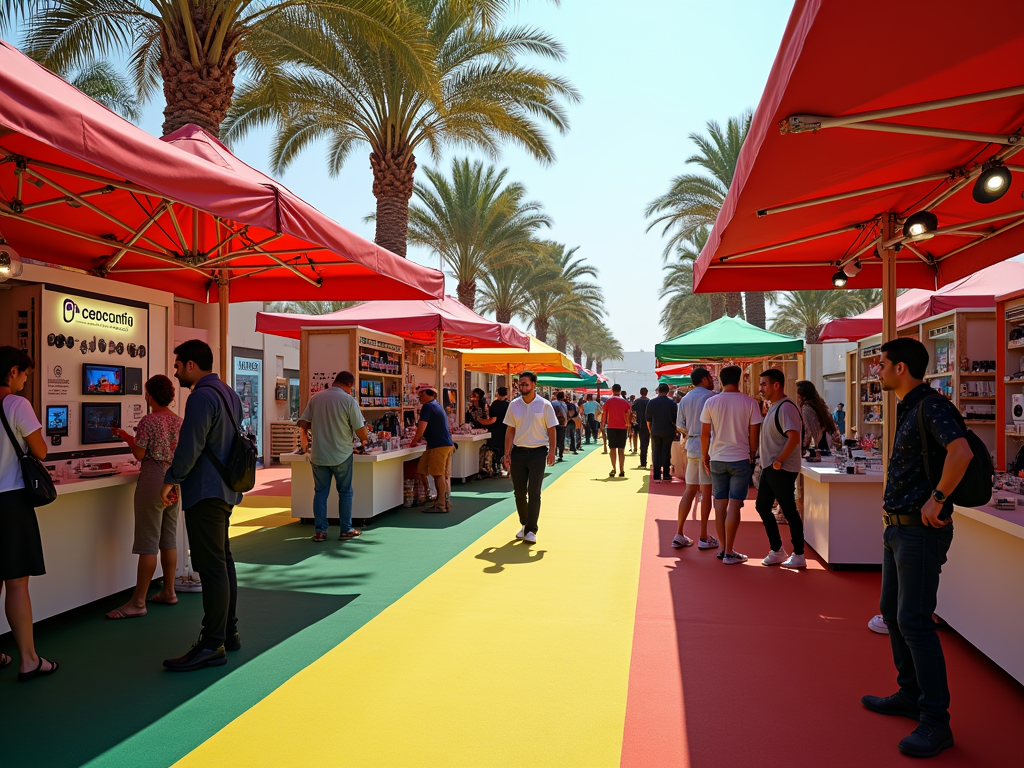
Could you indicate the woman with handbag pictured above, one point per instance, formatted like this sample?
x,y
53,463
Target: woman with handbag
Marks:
x,y
156,525
21,548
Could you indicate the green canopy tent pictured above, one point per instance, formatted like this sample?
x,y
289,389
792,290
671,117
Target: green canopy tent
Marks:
x,y
569,381
676,381
727,338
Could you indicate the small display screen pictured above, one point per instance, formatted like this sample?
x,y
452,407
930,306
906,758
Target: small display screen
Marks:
x,y
100,379
57,420
98,422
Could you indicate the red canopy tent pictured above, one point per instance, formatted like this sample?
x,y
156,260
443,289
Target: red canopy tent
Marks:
x,y
442,322
977,290
81,187
674,369
859,128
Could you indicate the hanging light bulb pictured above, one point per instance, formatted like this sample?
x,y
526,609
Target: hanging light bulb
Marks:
x,y
10,262
920,226
991,185
839,279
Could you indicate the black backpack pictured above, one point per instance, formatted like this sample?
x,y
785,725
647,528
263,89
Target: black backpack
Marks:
x,y
240,473
975,487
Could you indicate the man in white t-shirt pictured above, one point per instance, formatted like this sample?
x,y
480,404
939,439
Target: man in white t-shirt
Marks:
x,y
734,419
698,479
529,445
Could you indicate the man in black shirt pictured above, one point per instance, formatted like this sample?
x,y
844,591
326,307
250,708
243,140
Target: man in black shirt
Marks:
x,y
918,532
661,423
498,409
640,411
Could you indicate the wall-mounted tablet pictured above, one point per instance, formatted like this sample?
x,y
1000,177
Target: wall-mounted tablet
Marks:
x,y
57,420
98,421
102,379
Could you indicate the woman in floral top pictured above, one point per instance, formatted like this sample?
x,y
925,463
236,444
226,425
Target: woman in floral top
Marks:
x,y
479,415
156,526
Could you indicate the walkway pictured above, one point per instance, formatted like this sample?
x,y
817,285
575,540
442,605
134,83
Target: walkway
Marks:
x,y
441,641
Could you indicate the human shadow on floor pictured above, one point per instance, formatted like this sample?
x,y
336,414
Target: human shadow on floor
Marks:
x,y
514,553
111,684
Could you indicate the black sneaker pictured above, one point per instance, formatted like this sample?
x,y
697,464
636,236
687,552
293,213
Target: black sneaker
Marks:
x,y
927,740
891,705
233,642
622,474
721,555
197,657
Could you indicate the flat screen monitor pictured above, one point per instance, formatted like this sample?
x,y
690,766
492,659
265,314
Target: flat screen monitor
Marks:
x,y
98,422
57,420
102,379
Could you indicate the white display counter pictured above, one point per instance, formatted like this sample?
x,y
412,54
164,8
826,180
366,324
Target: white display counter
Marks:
x,y
87,536
843,514
377,483
466,460
980,594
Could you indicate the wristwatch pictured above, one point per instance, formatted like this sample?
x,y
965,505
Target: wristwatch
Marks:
x,y
939,496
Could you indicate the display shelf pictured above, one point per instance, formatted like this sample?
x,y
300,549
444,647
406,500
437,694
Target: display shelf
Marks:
x,y
978,399
979,421
977,375
379,375
929,376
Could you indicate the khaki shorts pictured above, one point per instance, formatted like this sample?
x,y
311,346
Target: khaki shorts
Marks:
x,y
695,472
436,462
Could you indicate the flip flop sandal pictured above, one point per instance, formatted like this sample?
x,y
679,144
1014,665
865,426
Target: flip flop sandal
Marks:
x,y
154,600
5,660
120,613
24,677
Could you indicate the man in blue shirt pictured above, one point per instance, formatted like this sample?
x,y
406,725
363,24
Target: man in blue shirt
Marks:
x,y
918,532
840,419
590,418
207,429
437,459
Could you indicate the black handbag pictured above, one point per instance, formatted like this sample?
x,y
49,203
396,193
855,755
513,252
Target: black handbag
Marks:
x,y
38,482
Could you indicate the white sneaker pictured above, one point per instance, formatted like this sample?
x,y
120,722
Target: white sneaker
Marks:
x,y
185,584
775,557
795,561
530,537
734,558
680,541
711,543
521,532
877,624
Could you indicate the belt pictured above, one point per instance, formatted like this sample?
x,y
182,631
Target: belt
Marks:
x,y
902,520
531,447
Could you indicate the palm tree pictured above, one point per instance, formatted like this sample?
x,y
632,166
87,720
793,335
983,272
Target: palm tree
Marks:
x,y
341,87
474,222
804,313
100,81
685,310
195,47
693,200
505,291
309,307
567,294
599,345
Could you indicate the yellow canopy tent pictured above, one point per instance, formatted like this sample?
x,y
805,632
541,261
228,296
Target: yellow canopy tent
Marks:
x,y
540,358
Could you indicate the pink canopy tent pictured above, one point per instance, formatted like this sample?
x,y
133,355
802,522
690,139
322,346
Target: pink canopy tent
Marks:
x,y
977,290
80,187
441,322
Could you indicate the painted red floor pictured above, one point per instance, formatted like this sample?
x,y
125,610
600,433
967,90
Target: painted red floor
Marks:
x,y
754,666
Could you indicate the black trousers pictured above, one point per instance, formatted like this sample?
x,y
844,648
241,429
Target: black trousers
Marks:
x,y
661,456
527,469
645,441
779,485
207,525
912,559
591,427
560,441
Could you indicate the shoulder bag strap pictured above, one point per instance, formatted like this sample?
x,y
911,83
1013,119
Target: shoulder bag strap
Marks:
x,y
778,421
217,463
3,417
925,454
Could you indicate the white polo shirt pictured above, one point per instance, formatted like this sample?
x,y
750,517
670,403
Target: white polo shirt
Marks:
x,y
531,422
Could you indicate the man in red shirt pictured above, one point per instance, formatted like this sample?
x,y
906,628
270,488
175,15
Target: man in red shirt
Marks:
x,y
615,420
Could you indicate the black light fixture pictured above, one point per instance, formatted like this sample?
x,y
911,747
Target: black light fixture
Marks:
x,y
839,279
991,184
920,226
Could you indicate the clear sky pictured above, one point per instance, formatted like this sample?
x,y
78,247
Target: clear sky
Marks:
x,y
650,73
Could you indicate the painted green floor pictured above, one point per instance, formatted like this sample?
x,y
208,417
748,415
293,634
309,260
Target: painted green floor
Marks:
x,y
112,704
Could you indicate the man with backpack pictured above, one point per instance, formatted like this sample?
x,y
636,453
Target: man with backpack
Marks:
x,y
562,414
202,469
573,426
780,467
918,532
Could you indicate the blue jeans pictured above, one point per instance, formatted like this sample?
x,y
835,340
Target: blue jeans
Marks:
x,y
912,559
342,476
730,479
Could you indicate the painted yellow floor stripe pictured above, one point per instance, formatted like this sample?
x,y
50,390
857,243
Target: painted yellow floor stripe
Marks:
x,y
509,655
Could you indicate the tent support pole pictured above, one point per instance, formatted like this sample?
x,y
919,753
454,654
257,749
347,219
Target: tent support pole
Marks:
x,y
888,256
222,296
439,344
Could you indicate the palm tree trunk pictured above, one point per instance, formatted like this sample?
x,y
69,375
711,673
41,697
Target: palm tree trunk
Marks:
x,y
577,355
812,333
590,363
540,328
200,95
733,304
717,305
466,291
562,342
754,306
600,365
503,316
392,186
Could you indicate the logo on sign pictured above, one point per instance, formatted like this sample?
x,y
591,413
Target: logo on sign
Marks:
x,y
58,371
102,317
70,310
248,365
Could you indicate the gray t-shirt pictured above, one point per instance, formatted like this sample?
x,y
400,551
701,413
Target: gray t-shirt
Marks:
x,y
335,417
773,442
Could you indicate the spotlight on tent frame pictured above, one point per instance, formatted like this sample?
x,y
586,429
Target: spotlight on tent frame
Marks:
x,y
920,226
10,262
991,184
852,269
839,279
